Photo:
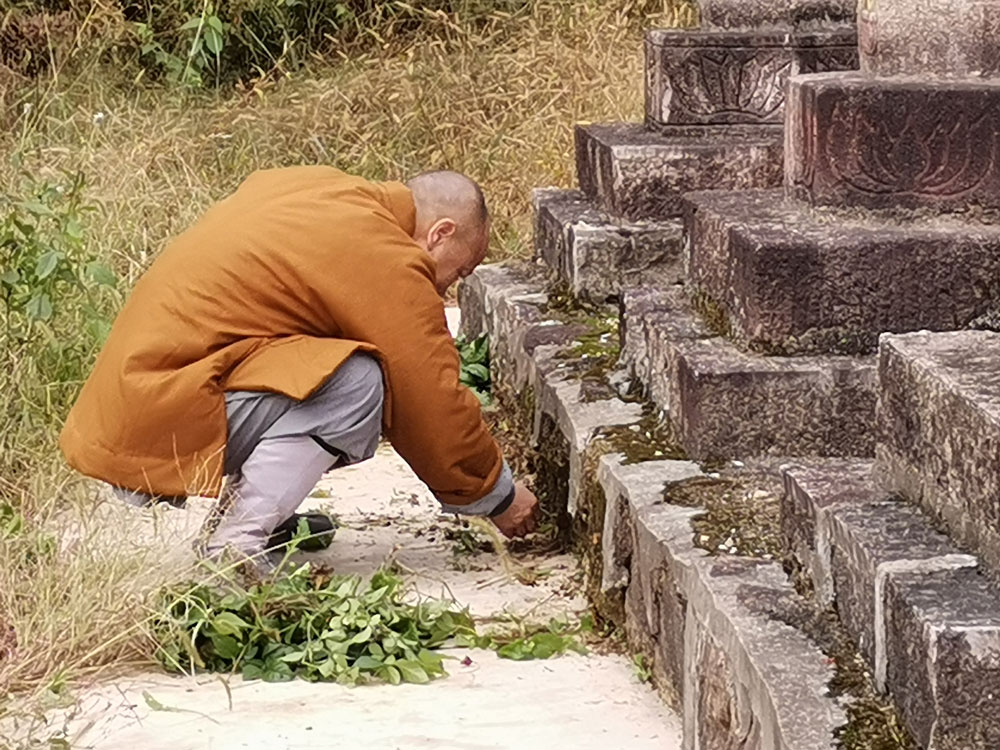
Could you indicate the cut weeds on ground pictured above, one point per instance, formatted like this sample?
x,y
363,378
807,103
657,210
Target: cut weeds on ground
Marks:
x,y
318,626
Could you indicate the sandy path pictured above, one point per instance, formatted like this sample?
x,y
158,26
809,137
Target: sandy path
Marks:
x,y
579,702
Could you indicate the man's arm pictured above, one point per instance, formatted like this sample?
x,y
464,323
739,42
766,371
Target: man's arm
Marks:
x,y
384,294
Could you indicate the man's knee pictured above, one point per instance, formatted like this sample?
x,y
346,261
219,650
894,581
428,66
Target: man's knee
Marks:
x,y
360,377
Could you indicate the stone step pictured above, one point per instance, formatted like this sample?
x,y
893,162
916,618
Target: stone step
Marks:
x,y
939,431
637,173
727,403
721,634
890,143
710,627
598,255
735,77
510,306
781,14
920,611
793,279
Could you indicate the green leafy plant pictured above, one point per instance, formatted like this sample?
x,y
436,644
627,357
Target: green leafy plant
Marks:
x,y
643,673
196,48
539,642
475,366
42,253
310,625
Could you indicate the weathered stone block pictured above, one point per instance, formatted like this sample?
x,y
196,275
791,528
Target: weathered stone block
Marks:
x,y
885,143
734,404
757,14
740,658
662,569
943,641
726,403
579,420
939,430
792,279
812,490
717,78
508,304
598,256
871,542
652,321
950,38
639,174
629,487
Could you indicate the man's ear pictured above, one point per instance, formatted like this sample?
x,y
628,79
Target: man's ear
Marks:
x,y
441,230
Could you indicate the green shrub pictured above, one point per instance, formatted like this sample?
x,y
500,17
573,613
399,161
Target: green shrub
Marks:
x,y
55,301
195,43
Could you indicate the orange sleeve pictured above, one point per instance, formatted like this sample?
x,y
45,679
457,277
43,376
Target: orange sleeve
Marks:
x,y
383,294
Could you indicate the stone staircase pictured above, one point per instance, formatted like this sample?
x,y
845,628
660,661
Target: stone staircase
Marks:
x,y
792,514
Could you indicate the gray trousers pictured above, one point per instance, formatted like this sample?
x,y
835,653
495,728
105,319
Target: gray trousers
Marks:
x,y
278,448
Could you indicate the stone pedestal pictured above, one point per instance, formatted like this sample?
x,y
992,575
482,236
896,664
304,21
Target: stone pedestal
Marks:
x,y
716,78
891,191
950,38
883,143
714,108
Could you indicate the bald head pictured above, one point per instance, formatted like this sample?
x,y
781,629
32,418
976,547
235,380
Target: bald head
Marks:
x,y
452,223
449,195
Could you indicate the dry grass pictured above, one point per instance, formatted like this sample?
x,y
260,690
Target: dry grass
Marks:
x,y
497,102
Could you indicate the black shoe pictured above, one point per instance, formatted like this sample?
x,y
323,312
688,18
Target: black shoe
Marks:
x,y
321,531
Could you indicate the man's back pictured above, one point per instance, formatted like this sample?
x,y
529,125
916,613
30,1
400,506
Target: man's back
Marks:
x,y
272,290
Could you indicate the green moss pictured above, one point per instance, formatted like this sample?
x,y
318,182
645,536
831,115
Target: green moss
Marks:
x,y
593,355
563,305
714,315
741,513
652,438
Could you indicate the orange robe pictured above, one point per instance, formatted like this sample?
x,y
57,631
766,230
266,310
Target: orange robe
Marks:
x,y
272,290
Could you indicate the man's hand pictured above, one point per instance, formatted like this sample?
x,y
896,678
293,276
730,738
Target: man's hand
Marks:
x,y
521,517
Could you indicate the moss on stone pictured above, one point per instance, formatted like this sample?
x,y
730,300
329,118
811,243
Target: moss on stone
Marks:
x,y
652,438
873,723
741,513
714,315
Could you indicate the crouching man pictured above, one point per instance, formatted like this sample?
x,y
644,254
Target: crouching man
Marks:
x,y
279,337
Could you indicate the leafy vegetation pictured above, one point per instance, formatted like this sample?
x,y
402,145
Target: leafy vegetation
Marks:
x,y
556,638
475,366
316,626
196,43
309,625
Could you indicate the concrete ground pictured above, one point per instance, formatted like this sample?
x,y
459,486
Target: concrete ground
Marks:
x,y
591,702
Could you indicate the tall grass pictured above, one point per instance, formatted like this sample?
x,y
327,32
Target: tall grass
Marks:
x,y
495,98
